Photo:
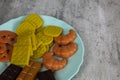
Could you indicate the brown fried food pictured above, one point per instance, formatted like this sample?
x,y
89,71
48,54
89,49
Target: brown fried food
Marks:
x,y
3,48
7,37
51,63
6,55
65,51
65,39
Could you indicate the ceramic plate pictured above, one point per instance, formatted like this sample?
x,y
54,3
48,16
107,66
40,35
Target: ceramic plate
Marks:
x,y
74,62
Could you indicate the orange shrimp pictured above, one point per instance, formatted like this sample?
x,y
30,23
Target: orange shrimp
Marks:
x,y
65,51
51,63
65,39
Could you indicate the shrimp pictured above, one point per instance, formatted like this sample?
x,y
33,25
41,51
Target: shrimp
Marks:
x,y
51,63
65,51
65,39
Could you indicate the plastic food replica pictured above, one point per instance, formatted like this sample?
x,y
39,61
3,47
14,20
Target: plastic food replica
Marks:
x,y
33,41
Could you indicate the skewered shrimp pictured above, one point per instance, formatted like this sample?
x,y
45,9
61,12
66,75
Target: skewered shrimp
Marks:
x,y
51,63
65,39
65,51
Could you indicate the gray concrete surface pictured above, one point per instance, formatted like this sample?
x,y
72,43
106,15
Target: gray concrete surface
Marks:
x,y
97,22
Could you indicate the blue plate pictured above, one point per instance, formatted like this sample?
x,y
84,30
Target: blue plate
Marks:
x,y
74,62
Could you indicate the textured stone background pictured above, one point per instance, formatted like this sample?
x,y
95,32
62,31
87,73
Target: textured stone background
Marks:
x,y
97,22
